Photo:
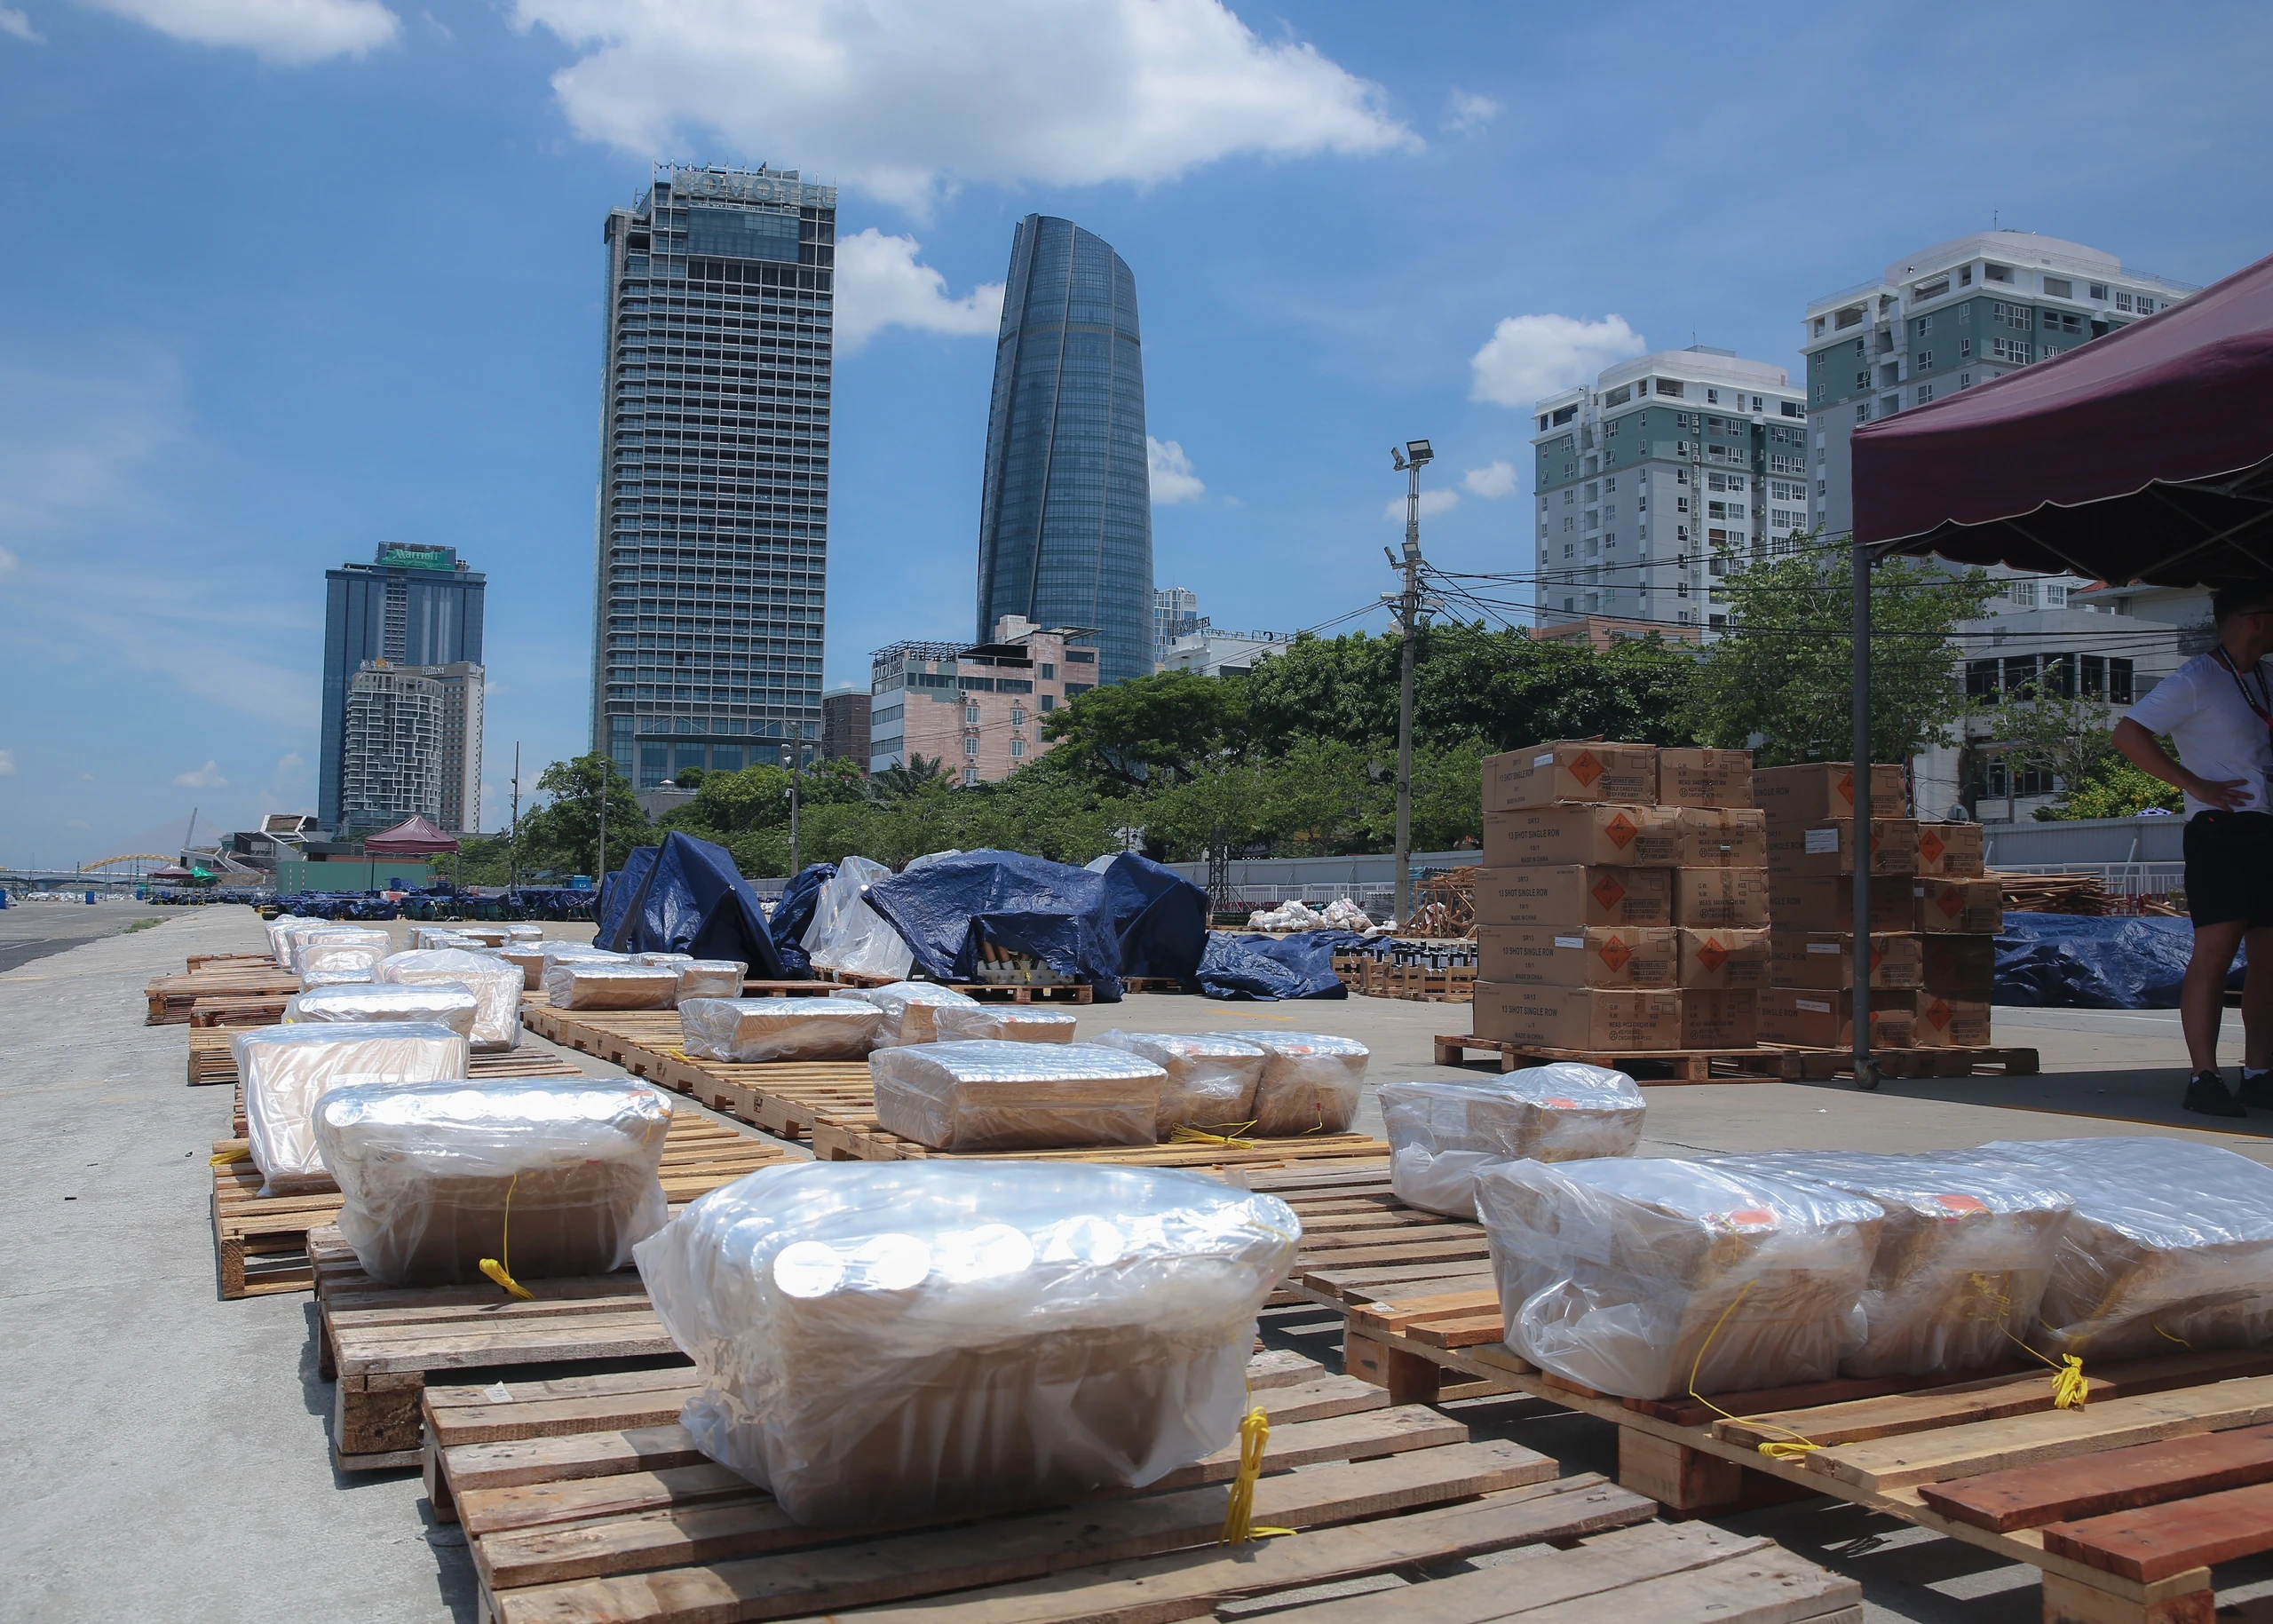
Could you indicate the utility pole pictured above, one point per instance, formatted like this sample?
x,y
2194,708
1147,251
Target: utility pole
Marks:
x,y
513,838
796,784
599,875
1415,456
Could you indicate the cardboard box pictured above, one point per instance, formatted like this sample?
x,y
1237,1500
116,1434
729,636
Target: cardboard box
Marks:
x,y
1566,956
1545,836
1721,837
1972,907
1728,1019
1571,769
1961,967
1826,902
1723,961
1953,1023
1585,1018
1827,959
1814,1019
1722,898
1950,848
1574,896
1824,791
1703,778
1828,848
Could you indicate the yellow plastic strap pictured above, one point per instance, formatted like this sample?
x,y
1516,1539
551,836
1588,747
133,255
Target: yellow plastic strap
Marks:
x,y
1239,1516
1776,1449
224,1157
1186,1133
493,1266
2070,1390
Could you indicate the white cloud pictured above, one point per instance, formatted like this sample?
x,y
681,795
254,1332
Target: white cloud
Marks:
x,y
86,778
207,777
1492,481
290,32
1438,500
1465,113
906,98
880,285
7,764
1531,356
9,563
1173,480
15,22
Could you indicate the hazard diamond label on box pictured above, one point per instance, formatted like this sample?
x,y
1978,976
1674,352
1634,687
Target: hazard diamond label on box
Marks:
x,y
1929,846
1952,902
1621,830
1712,955
1608,892
1586,769
1938,1012
1847,790
1614,953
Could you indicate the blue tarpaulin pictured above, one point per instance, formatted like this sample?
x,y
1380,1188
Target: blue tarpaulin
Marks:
x,y
1264,967
691,899
1161,917
2120,962
794,913
617,890
947,910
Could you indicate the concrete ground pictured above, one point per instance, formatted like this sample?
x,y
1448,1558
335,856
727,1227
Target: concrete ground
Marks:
x,y
169,1448
32,930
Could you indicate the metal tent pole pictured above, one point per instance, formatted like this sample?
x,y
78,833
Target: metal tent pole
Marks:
x,y
1859,996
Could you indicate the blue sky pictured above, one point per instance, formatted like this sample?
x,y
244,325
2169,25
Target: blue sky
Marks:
x,y
291,278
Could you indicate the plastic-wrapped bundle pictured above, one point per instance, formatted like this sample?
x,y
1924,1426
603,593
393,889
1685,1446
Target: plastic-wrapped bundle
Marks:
x,y
335,978
524,932
579,950
908,1009
992,1096
289,936
450,1004
1626,1274
487,936
882,1342
1211,1076
550,1177
754,1030
496,983
1013,1023
278,949
710,978
1442,1133
527,958
670,960
597,984
286,1069
1311,1081
2170,1245
846,933
341,949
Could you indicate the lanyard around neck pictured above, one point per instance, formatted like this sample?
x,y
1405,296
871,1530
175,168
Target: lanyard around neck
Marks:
x,y
2262,711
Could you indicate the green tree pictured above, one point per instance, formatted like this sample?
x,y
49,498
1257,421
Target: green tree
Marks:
x,y
1785,669
2068,738
562,836
918,775
1165,728
2113,789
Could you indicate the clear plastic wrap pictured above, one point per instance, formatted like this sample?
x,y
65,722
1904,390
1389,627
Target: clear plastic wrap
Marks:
x,y
338,949
752,1031
523,932
1962,1261
669,961
450,1005
992,1096
1012,1023
487,936
285,1069
908,1007
1311,1081
847,934
609,984
890,1341
496,983
278,949
710,978
529,958
579,950
289,936
550,1177
1211,1076
2170,1246
1627,1274
1441,1133
335,978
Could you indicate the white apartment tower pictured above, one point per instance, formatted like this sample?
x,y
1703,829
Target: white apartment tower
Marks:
x,y
412,744
1655,480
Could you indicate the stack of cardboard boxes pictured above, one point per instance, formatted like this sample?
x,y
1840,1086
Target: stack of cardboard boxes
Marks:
x,y
1931,957
1623,904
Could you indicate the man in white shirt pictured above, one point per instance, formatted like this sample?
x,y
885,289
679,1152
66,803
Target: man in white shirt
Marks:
x,y
2218,710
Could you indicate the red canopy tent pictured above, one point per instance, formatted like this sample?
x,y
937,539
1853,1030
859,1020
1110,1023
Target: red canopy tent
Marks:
x,y
2144,456
414,836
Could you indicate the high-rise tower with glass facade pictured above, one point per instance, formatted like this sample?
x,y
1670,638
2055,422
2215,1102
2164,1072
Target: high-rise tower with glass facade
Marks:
x,y
713,546
412,605
1065,517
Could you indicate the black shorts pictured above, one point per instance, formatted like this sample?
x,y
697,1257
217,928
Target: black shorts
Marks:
x,y
2229,869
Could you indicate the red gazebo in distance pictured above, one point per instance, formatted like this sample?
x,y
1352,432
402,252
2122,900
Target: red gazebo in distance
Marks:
x,y
414,836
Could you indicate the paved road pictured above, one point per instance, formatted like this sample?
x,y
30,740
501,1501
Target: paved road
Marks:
x,y
32,931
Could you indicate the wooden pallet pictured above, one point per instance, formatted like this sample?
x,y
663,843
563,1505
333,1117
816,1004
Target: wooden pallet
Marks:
x,y
232,961
210,1009
261,1243
1423,1321
1989,1060
1763,1063
848,1139
212,1063
1152,983
632,1523
636,1039
1014,991
1417,983
172,997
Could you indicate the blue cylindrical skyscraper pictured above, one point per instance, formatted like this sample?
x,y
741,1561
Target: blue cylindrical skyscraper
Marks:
x,y
1065,519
